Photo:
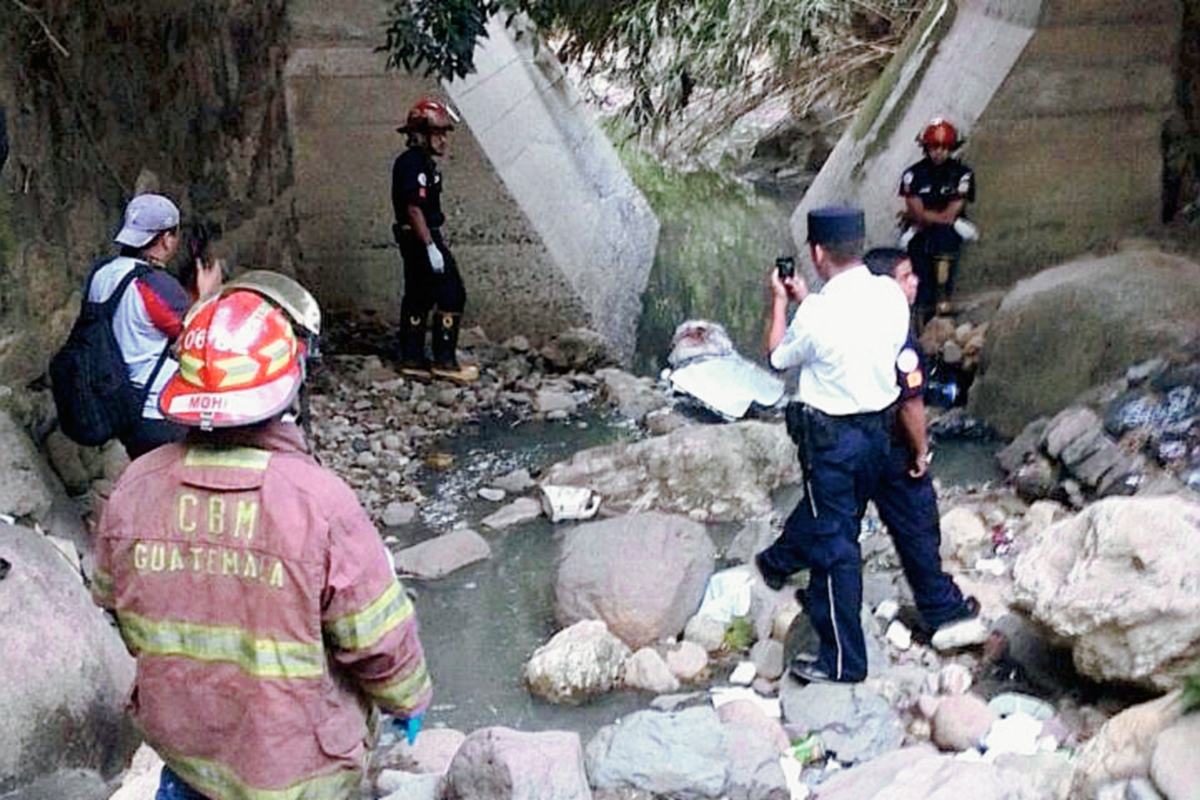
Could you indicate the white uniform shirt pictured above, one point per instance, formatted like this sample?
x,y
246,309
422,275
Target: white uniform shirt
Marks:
x,y
845,339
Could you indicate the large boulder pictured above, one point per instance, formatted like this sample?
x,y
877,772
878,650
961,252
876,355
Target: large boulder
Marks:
x,y
577,663
67,673
642,574
1118,582
495,763
27,487
673,754
1072,327
711,473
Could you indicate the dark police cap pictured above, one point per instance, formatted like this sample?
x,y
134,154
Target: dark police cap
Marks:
x,y
836,224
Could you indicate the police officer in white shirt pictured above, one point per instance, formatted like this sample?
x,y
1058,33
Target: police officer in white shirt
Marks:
x,y
845,340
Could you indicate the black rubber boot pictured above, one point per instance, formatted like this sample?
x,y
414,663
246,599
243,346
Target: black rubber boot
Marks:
x,y
445,340
412,342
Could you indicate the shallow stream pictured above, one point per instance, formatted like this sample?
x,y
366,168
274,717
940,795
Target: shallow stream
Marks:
x,y
480,624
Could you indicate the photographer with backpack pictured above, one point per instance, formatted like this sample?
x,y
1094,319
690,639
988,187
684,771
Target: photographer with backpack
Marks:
x,y
132,312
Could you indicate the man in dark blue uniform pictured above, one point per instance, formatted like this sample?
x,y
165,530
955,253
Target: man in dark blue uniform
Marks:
x,y
936,191
845,339
905,496
431,277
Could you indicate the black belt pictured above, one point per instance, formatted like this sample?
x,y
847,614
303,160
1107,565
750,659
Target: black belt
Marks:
x,y
863,419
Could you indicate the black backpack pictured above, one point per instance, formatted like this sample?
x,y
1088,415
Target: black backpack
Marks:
x,y
94,396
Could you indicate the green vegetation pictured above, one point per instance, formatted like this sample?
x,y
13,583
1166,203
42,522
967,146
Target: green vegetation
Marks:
x,y
717,239
739,635
673,54
1191,691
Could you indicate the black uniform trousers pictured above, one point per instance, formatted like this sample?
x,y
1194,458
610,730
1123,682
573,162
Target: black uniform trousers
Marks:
x,y
423,288
929,248
908,507
848,455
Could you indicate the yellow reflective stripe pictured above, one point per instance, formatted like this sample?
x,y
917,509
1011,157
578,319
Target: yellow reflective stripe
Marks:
x,y
257,657
364,628
189,368
102,585
239,370
408,692
278,351
215,779
239,457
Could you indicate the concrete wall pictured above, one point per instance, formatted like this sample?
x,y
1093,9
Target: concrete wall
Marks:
x,y
1062,103
548,230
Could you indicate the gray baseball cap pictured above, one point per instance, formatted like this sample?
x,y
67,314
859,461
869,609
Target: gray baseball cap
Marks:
x,y
146,216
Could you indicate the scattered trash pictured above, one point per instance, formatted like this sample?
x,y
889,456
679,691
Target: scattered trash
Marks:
x,y
569,502
887,610
1017,733
899,635
991,566
743,674
720,695
808,750
727,595
1007,703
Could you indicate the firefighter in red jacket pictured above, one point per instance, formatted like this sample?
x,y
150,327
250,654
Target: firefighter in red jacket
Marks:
x,y
249,583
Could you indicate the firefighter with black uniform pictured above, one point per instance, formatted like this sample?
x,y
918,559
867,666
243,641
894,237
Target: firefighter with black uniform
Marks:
x,y
936,191
431,278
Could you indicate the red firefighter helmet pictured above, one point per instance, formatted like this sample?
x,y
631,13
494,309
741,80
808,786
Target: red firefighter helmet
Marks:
x,y
429,114
239,363
939,133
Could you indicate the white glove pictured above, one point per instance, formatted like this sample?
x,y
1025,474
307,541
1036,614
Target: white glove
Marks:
x,y
966,229
436,262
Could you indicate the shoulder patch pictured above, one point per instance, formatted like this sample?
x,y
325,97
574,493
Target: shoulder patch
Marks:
x,y
421,179
907,361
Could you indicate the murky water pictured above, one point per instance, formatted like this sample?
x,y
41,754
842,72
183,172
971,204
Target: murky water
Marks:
x,y
480,624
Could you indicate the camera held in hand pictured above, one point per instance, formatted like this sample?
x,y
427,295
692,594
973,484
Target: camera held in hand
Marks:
x,y
786,267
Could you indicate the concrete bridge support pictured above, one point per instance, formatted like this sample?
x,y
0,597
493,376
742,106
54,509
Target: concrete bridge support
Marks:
x,y
1062,103
548,229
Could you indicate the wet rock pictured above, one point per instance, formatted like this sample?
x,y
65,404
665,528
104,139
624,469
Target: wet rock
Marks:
x,y
920,772
29,487
753,744
632,396
961,721
675,754
1020,383
577,349
854,721
643,574
767,655
431,753
397,513
67,672
709,472
547,401
491,494
577,663
1108,581
523,509
503,763
1173,766
965,537
442,555
688,661
398,785
646,670
706,632
1124,747
515,482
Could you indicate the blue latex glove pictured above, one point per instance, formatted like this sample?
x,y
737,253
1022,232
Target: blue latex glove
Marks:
x,y
410,727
